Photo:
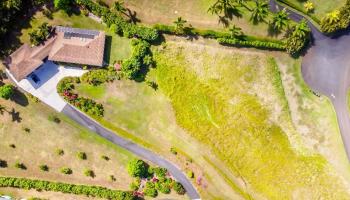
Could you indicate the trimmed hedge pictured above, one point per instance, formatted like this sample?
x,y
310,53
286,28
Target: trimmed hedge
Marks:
x,y
225,37
94,191
256,44
122,26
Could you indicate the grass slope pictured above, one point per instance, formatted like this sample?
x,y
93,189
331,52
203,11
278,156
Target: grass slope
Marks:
x,y
217,104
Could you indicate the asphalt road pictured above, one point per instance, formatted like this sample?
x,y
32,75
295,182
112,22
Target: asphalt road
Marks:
x,y
143,153
326,69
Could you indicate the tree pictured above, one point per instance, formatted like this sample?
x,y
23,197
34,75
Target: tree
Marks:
x,y
298,37
179,24
331,22
179,188
279,20
260,11
235,31
301,29
6,91
63,5
119,7
44,168
39,35
309,6
89,173
137,168
223,6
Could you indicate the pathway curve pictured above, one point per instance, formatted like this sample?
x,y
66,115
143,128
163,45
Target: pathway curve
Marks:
x,y
326,69
86,121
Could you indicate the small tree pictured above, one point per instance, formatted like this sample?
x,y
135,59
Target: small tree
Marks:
x,y
150,190
89,173
44,168
82,155
62,4
66,170
137,168
179,188
59,152
3,163
6,91
104,157
20,165
179,25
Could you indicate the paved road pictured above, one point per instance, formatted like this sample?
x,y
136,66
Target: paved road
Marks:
x,y
85,121
326,69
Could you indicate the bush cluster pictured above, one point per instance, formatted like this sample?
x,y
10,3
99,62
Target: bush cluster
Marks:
x,y
140,57
121,26
99,76
138,168
336,20
39,35
6,91
94,191
224,37
89,106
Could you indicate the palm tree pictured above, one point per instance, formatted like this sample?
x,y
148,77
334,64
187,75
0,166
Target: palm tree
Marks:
x,y
301,30
179,24
235,31
119,7
225,6
280,20
260,12
333,16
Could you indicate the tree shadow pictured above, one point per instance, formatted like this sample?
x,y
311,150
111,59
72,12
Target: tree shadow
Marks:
x,y
15,116
19,98
108,49
132,16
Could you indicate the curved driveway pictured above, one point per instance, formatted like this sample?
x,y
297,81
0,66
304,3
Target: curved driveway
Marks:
x,y
85,121
326,69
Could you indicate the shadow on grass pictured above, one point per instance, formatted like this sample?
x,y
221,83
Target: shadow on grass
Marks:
x,y
108,49
19,98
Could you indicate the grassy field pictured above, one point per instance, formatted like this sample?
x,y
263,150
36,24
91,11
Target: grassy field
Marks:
x,y
194,11
261,127
117,48
321,7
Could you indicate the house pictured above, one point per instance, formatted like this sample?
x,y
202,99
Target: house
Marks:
x,y
66,45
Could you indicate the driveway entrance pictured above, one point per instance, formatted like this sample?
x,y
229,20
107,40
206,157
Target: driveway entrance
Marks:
x,y
43,81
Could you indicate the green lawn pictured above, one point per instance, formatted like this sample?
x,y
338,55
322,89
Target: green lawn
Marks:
x,y
322,7
239,120
117,48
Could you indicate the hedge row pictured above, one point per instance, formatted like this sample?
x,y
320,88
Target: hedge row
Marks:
x,y
256,44
122,26
225,37
94,191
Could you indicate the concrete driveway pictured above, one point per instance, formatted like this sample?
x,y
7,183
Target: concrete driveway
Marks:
x,y
47,77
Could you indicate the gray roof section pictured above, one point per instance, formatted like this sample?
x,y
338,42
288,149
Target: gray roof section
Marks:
x,y
77,31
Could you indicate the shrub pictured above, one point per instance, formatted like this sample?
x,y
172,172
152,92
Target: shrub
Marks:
x,y
111,178
190,174
94,191
135,185
173,150
59,152
81,155
163,187
3,163
6,91
12,146
150,190
62,4
54,118
66,84
137,168
160,171
89,173
66,170
298,38
39,35
99,76
44,168
179,189
104,157
26,129
20,165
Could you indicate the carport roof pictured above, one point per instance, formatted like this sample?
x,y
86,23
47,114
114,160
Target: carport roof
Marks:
x,y
80,47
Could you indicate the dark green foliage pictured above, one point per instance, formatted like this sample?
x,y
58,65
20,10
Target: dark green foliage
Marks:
x,y
39,35
122,26
3,163
255,44
6,91
179,189
150,190
163,187
160,171
63,4
94,191
20,165
138,168
44,168
139,58
66,170
99,76
9,9
59,152
89,173
81,155
67,84
298,38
